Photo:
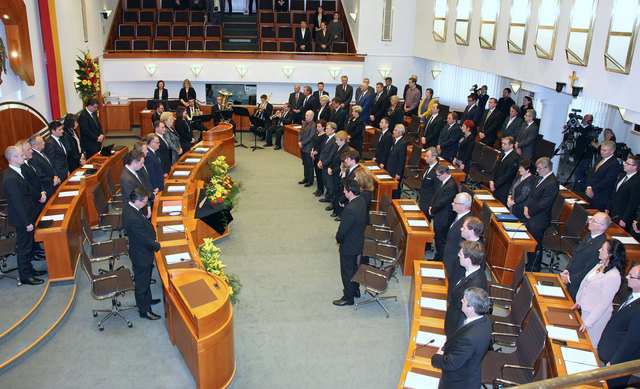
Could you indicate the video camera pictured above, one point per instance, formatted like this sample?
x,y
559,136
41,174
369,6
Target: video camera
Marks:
x,y
474,89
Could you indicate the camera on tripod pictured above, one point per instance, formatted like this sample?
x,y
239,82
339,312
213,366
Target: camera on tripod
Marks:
x,y
574,119
474,89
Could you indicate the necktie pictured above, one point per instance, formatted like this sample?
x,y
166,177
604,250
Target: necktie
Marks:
x,y
540,182
344,88
627,301
45,158
20,171
305,100
622,182
378,96
60,144
599,164
426,172
95,119
429,122
486,118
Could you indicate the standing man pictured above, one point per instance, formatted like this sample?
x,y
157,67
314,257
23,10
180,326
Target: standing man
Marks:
x,y
215,11
397,159
38,194
461,206
624,200
489,124
379,106
142,245
43,167
91,133
350,237
620,342
163,149
527,137
305,143
602,179
505,171
583,152
22,214
309,103
326,155
471,111
512,123
389,88
407,86
303,37
364,100
441,208
295,102
153,164
432,128
538,206
338,113
429,181
460,359
320,92
156,115
412,98
505,102
449,138
384,143
344,93
55,151
131,177
483,97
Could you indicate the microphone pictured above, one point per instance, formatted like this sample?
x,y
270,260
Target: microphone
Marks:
x,y
198,264
519,229
419,347
175,230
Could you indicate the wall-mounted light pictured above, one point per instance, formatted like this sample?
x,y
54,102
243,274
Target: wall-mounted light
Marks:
x,y
575,91
288,70
515,86
151,68
195,69
334,71
14,54
560,86
354,16
622,111
105,13
242,69
384,71
435,73
5,17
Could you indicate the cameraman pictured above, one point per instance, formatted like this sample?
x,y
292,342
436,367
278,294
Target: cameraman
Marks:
x,y
583,152
608,135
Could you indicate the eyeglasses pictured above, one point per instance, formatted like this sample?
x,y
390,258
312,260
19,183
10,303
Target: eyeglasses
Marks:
x,y
630,276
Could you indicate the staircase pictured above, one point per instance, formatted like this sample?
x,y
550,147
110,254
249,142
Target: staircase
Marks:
x,y
240,32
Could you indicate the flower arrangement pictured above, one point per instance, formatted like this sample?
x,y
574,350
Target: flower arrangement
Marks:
x,y
88,76
210,258
221,188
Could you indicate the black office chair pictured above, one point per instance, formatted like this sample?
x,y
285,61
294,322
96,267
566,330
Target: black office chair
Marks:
x,y
109,250
371,153
8,248
504,327
504,295
376,282
554,243
378,217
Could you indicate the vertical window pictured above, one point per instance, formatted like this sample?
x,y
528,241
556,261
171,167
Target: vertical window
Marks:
x,y
518,26
621,40
441,8
463,20
489,23
546,33
387,20
580,31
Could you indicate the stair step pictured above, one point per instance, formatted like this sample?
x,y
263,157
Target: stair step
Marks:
x,y
240,32
243,46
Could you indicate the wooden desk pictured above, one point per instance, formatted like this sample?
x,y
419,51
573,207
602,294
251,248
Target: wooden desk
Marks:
x,y
146,127
290,141
382,185
118,118
416,237
504,251
222,133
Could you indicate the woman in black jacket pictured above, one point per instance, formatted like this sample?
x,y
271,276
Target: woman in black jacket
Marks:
x,y
318,142
463,159
70,138
355,129
184,130
186,93
519,191
394,113
160,93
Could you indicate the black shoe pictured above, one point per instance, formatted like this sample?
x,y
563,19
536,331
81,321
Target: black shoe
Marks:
x,y
39,273
153,281
308,184
31,281
329,208
334,215
149,315
323,200
338,219
39,258
357,293
342,303
267,145
302,182
157,301
319,194
277,148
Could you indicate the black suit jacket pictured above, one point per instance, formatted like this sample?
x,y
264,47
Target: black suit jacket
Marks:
x,y
603,182
428,187
526,139
384,147
620,341
184,131
165,94
327,152
452,247
154,167
397,157
350,235
441,208
71,144
129,182
311,105
45,172
520,194
165,156
449,140
379,108
461,361
58,157
585,257
296,103
539,203
624,201
489,126
344,95
482,101
300,41
432,129
31,176
512,129
142,236
504,174
472,113
324,115
317,95
454,317
90,130
390,90
339,117
355,129
504,105
22,209
465,150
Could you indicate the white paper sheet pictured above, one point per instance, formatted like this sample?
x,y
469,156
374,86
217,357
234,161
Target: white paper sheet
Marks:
x,y
562,333
192,160
171,208
79,174
439,305
176,188
562,187
626,239
177,258
75,178
434,273
417,223
485,197
373,167
384,177
297,126
553,291
173,229
499,209
87,166
53,217
368,127
201,149
420,381
573,367
181,173
518,235
451,167
70,193
577,355
410,207
572,200
425,337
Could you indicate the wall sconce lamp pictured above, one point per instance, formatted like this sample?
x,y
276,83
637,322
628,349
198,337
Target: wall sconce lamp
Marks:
x,y
151,68
105,13
14,54
622,111
560,86
354,16
515,86
288,70
575,91
435,73
384,72
242,69
196,69
334,71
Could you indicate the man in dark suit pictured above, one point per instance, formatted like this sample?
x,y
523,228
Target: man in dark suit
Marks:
x,y
215,12
153,164
350,237
460,359
505,102
527,137
305,144
295,102
471,256
429,181
55,151
462,209
483,97
142,245
389,88
585,255
620,341
338,114
505,171
602,179
512,123
43,167
379,106
320,91
489,124
285,117
384,143
449,138
441,208
364,100
38,194
163,151
538,206
309,103
324,161
91,134
472,112
432,128
397,158
303,37
131,177
344,93
22,214
625,198
158,112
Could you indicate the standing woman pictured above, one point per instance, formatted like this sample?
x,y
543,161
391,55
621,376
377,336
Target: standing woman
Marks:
x,y
394,113
599,287
75,157
187,92
519,191
323,112
318,141
334,170
527,104
318,18
171,136
463,159
184,130
355,129
335,28
160,93
365,180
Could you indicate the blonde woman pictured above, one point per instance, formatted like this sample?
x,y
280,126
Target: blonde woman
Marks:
x,y
171,136
187,92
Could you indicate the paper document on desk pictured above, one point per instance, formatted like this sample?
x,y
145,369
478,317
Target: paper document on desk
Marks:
x,y
70,193
53,217
171,208
426,337
562,333
79,174
368,127
579,356
297,126
87,166
384,177
433,273
553,291
201,149
181,173
519,235
177,258
573,367
625,239
75,178
176,188
562,187
484,197
451,167
410,207
420,381
173,229
417,223
192,160
373,167
499,209
429,303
